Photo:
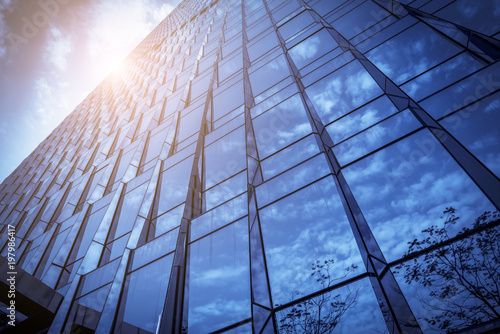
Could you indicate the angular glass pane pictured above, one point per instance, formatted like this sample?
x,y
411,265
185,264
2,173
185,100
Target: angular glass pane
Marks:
x,y
174,184
463,92
269,75
225,157
312,48
476,127
228,100
281,126
404,188
441,76
131,204
154,249
295,25
349,309
219,279
144,295
299,176
218,217
304,228
375,137
226,190
360,119
482,16
342,91
411,52
456,286
289,157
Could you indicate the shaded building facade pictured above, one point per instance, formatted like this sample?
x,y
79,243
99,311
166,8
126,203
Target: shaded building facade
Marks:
x,y
272,167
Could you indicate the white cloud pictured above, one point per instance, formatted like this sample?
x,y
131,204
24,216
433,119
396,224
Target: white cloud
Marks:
x,y
58,50
5,7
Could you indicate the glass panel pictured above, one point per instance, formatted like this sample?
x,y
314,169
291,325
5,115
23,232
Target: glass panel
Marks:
x,y
359,19
312,48
99,277
289,157
349,309
417,49
154,249
302,229
375,137
218,217
174,184
342,91
145,294
228,100
226,190
482,16
281,126
293,179
360,119
455,286
131,204
190,124
269,74
219,279
441,76
404,188
225,157
295,25
463,92
476,127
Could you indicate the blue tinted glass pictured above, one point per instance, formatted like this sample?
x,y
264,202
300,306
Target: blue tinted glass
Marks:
x,y
476,127
299,176
269,75
482,16
453,287
349,309
225,157
375,137
441,76
303,228
419,180
411,52
144,302
174,183
280,126
342,91
219,280
312,48
361,119
225,190
289,157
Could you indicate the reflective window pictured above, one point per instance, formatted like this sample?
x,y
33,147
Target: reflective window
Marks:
x,y
173,185
342,91
280,126
349,309
144,296
455,286
268,75
312,48
476,127
411,52
304,228
404,189
219,279
225,157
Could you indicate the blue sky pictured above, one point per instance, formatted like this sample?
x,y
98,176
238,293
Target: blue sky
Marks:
x,y
55,52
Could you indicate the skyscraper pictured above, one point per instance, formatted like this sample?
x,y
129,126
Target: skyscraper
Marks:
x,y
271,167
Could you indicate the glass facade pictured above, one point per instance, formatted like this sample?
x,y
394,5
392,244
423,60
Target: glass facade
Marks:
x,y
271,166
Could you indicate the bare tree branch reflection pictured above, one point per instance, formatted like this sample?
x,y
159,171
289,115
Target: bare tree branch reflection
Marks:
x,y
461,278
320,314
